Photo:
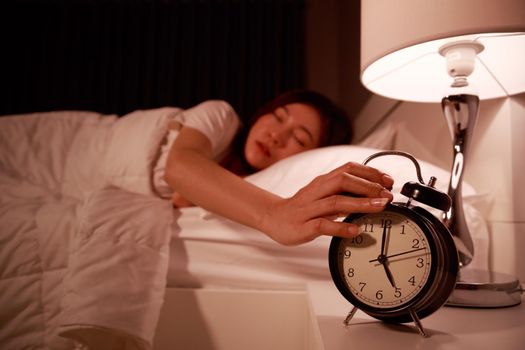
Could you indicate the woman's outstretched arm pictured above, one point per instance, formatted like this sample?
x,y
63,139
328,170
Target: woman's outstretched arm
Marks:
x,y
192,173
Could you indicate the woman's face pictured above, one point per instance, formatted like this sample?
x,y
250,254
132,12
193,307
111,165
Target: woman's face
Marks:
x,y
288,130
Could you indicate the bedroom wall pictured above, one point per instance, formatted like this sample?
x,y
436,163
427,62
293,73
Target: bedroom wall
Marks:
x,y
332,52
498,166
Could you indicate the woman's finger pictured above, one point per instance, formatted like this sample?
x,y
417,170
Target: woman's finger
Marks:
x,y
365,172
342,182
339,205
325,227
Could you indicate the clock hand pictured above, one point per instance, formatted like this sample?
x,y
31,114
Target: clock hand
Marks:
x,y
382,258
383,240
389,274
391,256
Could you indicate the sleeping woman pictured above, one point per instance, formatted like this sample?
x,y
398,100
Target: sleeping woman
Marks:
x,y
209,158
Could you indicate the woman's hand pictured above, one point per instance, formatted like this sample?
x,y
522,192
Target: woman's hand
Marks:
x,y
310,212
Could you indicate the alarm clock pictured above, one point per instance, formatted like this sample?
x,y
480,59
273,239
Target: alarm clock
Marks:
x,y
403,265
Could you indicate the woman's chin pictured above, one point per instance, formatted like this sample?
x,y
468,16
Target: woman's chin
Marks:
x,y
257,163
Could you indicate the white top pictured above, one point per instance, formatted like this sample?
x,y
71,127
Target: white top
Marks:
x,y
216,119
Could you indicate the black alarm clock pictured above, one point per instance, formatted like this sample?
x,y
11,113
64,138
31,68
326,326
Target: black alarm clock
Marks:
x,y
403,266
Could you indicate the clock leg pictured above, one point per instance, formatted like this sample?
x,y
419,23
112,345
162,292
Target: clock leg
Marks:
x,y
348,317
419,326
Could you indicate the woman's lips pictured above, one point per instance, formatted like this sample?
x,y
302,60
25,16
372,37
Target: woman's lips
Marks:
x,y
262,147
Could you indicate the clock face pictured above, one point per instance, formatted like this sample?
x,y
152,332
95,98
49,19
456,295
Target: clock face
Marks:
x,y
389,264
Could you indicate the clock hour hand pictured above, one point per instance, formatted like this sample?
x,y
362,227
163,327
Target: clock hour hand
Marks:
x,y
389,274
383,260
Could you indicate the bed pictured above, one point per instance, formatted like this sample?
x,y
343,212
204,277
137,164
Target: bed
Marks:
x,y
88,246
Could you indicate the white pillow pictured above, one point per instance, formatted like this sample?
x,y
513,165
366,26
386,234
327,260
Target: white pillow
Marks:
x,y
287,176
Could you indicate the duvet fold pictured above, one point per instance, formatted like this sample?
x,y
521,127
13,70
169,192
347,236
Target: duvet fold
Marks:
x,y
84,239
118,260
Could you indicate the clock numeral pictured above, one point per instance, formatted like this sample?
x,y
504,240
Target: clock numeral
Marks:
x,y
347,254
351,272
397,293
357,240
362,285
412,280
416,243
420,262
379,294
402,230
386,223
369,227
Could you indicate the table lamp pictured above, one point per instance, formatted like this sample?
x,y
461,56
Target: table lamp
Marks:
x,y
455,52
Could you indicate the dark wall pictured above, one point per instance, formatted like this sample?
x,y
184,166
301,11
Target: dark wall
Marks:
x,y
115,56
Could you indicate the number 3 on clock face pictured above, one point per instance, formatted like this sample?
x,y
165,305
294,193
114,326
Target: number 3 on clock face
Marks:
x,y
397,263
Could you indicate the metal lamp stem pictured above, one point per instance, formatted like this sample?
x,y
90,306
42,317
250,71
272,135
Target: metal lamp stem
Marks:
x,y
461,112
474,288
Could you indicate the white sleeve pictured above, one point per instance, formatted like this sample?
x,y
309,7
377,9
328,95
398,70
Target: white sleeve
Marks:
x,y
217,120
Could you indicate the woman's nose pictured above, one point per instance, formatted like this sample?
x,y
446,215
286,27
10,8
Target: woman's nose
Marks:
x,y
278,137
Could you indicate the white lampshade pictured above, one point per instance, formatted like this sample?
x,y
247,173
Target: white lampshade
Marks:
x,y
400,42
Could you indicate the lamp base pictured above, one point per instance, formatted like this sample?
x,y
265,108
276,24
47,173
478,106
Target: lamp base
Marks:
x,y
485,289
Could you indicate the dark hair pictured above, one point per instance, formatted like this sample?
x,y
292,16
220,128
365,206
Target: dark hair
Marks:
x,y
336,125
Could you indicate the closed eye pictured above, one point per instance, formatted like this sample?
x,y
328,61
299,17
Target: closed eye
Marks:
x,y
300,138
300,142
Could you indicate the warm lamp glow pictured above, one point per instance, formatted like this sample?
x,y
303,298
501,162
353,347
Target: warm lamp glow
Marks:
x,y
400,43
418,73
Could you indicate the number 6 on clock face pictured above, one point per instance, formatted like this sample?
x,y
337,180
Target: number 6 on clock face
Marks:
x,y
398,264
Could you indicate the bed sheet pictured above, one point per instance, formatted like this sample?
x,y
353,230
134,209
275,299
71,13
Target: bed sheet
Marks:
x,y
207,250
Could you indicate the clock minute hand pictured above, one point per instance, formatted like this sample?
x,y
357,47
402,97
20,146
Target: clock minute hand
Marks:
x,y
383,240
407,252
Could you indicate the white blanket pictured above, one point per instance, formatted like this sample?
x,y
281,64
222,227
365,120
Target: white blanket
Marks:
x,y
80,253
117,268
